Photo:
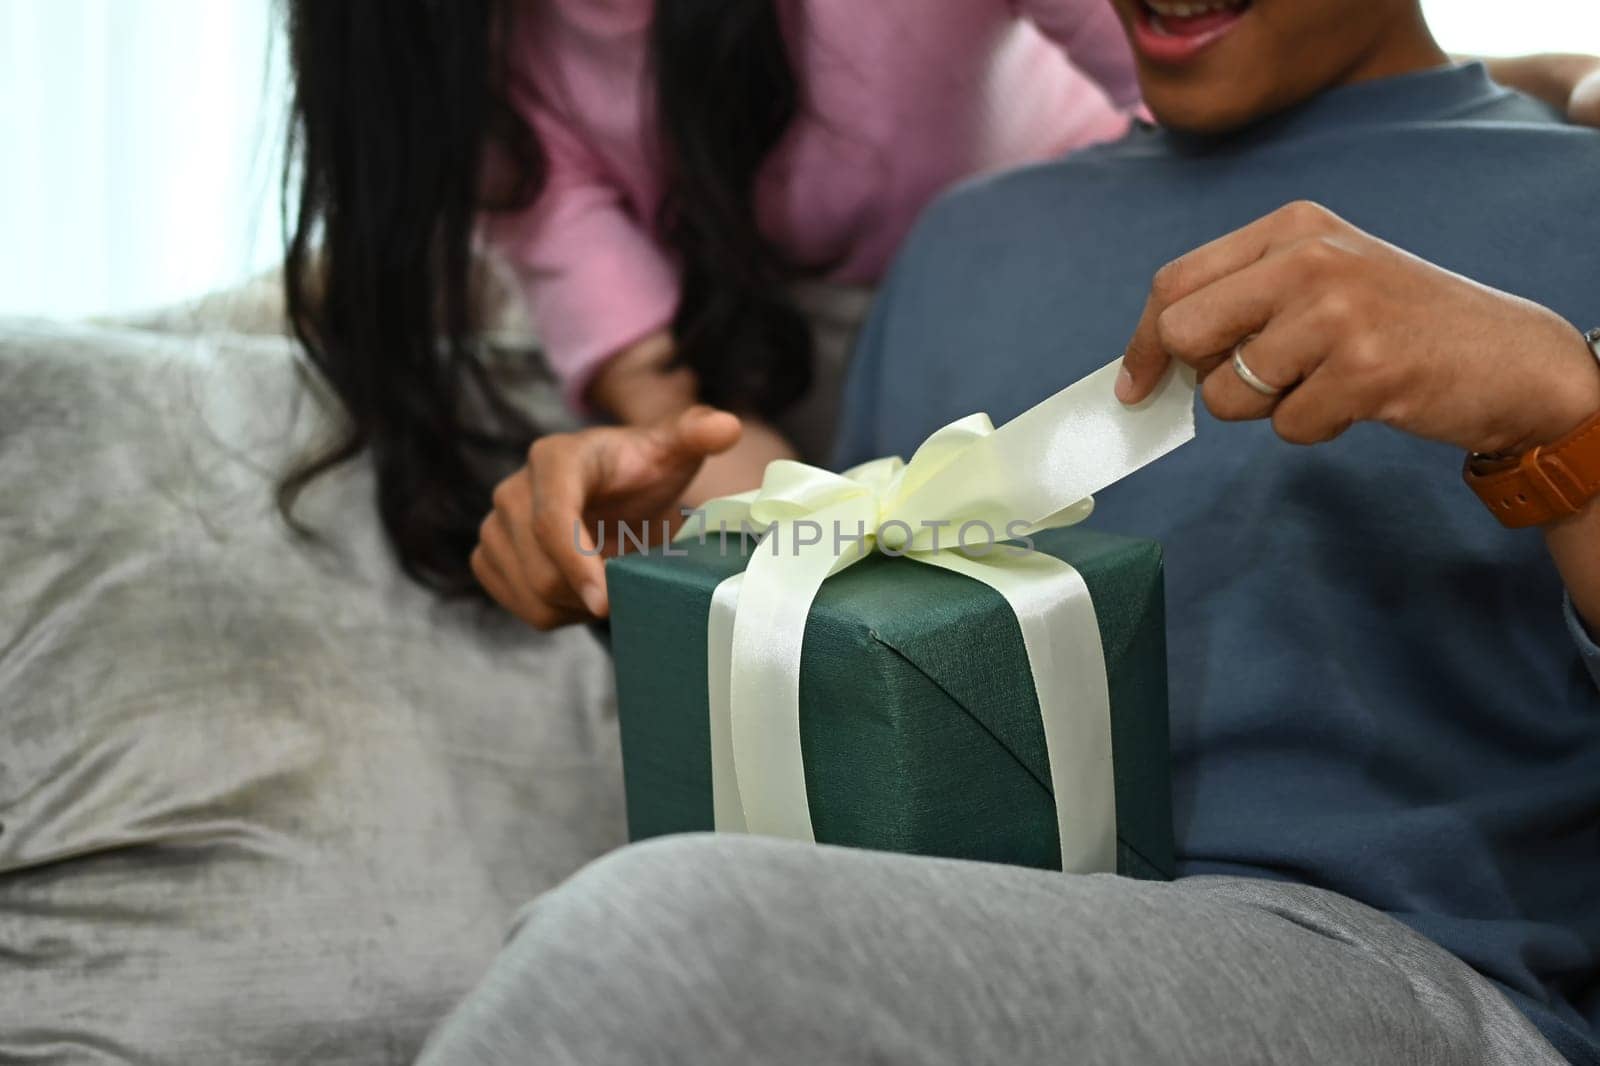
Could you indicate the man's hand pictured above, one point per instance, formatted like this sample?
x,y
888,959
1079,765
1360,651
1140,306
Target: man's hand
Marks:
x,y
537,551
1353,329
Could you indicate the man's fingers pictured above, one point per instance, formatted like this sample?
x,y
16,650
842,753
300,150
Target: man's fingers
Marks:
x,y
1146,359
1281,356
1317,411
1203,328
1232,252
1320,398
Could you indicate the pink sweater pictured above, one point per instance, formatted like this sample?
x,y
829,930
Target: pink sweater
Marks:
x,y
900,104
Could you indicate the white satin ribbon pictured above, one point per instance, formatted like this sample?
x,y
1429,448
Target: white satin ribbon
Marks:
x,y
1036,472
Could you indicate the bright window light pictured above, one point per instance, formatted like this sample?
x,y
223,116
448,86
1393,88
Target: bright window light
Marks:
x,y
142,138
1482,27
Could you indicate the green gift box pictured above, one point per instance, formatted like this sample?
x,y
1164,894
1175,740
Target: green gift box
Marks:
x,y
919,723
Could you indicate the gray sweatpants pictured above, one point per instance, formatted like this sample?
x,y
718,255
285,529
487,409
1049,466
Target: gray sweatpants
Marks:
x,y
729,949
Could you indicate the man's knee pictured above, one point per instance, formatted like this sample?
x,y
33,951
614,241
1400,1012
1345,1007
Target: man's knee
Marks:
x,y
625,955
678,893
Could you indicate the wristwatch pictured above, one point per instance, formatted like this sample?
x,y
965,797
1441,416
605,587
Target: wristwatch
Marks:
x,y
1545,483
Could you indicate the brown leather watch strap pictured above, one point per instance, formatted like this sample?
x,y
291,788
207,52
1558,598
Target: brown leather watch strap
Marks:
x,y
1543,484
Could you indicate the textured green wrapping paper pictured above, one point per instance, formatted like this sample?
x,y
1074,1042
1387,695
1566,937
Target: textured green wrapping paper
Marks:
x,y
918,722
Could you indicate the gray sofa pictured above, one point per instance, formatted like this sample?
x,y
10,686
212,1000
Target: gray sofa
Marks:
x,y
263,800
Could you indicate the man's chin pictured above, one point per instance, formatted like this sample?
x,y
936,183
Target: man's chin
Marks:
x,y
1196,112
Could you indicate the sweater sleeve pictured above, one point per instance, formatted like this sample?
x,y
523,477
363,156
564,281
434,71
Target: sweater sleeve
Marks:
x,y
1091,35
1582,638
595,278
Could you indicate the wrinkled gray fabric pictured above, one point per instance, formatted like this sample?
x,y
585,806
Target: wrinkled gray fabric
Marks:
x,y
263,801
709,950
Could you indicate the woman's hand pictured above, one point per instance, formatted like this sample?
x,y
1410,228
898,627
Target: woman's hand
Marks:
x,y
1353,329
537,552
1584,104
1568,82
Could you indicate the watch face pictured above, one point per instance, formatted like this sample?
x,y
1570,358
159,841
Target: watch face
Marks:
x,y
1593,337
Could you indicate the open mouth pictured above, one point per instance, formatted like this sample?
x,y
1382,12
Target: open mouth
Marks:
x,y
1174,31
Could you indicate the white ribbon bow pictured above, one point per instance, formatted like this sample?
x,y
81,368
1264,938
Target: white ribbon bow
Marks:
x,y
1038,471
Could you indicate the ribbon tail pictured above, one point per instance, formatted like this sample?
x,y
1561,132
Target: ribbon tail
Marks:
x,y
764,683
727,807
1051,457
1062,638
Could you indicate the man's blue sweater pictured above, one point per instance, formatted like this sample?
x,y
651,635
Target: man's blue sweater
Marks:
x,y
1375,688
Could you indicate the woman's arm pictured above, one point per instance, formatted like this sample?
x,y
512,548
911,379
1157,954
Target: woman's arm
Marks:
x,y
596,280
1348,329
1568,82
602,292
540,550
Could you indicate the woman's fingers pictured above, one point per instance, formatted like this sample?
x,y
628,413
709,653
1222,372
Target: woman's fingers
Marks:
x,y
1584,106
700,431
536,553
499,556
494,582
647,462
509,538
514,515
564,473
494,563
537,572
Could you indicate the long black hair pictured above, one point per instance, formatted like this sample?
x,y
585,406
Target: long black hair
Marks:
x,y
727,94
396,105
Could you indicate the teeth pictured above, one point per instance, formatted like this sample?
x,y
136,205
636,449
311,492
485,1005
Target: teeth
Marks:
x,y
1186,9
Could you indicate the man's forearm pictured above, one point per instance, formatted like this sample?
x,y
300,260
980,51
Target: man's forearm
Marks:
x,y
1574,544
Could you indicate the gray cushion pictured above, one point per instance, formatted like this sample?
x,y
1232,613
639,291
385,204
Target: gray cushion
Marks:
x,y
263,801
